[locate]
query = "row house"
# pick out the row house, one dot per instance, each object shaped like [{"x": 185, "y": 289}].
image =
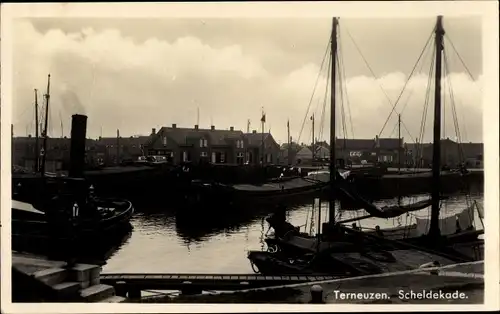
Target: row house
[
  {"x": 452, "y": 153},
  {"x": 57, "y": 156},
  {"x": 262, "y": 148},
  {"x": 211, "y": 145},
  {"x": 382, "y": 150},
  {"x": 112, "y": 150}
]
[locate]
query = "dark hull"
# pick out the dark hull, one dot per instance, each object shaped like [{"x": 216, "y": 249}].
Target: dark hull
[
  {"x": 202, "y": 196},
  {"x": 446, "y": 245},
  {"x": 91, "y": 237},
  {"x": 132, "y": 182},
  {"x": 364, "y": 261},
  {"x": 394, "y": 185}
]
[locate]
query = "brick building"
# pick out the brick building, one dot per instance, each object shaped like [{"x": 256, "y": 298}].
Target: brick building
[{"x": 211, "y": 145}]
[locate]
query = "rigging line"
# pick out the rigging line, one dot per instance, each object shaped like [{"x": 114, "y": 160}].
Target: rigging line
[
  {"x": 412, "y": 90},
  {"x": 341, "y": 90},
  {"x": 420, "y": 147},
  {"x": 454, "y": 110},
  {"x": 404, "y": 87},
  {"x": 314, "y": 89},
  {"x": 23, "y": 113},
  {"x": 459, "y": 57},
  {"x": 390, "y": 103},
  {"x": 342, "y": 111},
  {"x": 328, "y": 78},
  {"x": 341, "y": 56},
  {"x": 454, "y": 113}
]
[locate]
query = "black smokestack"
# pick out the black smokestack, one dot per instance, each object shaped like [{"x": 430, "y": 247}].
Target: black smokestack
[{"x": 77, "y": 152}]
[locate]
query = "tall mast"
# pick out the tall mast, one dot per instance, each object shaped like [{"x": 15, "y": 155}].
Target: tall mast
[
  {"x": 434, "y": 231},
  {"x": 117, "y": 146},
  {"x": 263, "y": 121},
  {"x": 399, "y": 154},
  {"x": 45, "y": 135},
  {"x": 313, "y": 144},
  {"x": 37, "y": 144},
  {"x": 289, "y": 142},
  {"x": 399, "y": 143},
  {"x": 333, "y": 170}
]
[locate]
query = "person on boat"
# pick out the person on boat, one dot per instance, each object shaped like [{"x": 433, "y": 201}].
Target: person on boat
[
  {"x": 354, "y": 227},
  {"x": 278, "y": 222},
  {"x": 378, "y": 231},
  {"x": 457, "y": 224}
]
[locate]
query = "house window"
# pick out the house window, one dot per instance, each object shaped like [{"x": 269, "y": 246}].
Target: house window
[
  {"x": 222, "y": 158},
  {"x": 164, "y": 141},
  {"x": 185, "y": 156},
  {"x": 204, "y": 154},
  {"x": 239, "y": 144},
  {"x": 203, "y": 142},
  {"x": 214, "y": 158},
  {"x": 269, "y": 157},
  {"x": 239, "y": 158}
]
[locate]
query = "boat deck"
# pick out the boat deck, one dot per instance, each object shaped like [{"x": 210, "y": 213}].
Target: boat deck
[{"x": 288, "y": 184}]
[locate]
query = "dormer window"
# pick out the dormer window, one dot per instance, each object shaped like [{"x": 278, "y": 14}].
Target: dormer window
[
  {"x": 203, "y": 142},
  {"x": 164, "y": 141}
]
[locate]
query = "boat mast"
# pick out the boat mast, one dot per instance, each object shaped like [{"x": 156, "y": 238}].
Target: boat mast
[
  {"x": 333, "y": 54},
  {"x": 45, "y": 136},
  {"x": 399, "y": 154},
  {"x": 37, "y": 144},
  {"x": 117, "y": 147},
  {"x": 434, "y": 231},
  {"x": 313, "y": 144},
  {"x": 289, "y": 141}
]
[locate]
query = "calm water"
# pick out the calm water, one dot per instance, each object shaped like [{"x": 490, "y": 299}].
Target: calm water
[{"x": 158, "y": 245}]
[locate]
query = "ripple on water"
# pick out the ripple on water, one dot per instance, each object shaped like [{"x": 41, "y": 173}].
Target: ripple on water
[{"x": 158, "y": 245}]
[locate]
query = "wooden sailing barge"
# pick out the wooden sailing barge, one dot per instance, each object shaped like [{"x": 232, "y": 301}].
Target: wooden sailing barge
[{"x": 344, "y": 251}]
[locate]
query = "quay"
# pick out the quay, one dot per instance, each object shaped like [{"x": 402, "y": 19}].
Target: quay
[
  {"x": 132, "y": 284},
  {"x": 38, "y": 279},
  {"x": 391, "y": 288}
]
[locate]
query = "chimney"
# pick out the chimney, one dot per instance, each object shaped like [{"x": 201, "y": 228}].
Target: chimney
[
  {"x": 153, "y": 132},
  {"x": 174, "y": 125},
  {"x": 231, "y": 128},
  {"x": 196, "y": 127},
  {"x": 254, "y": 132},
  {"x": 212, "y": 127},
  {"x": 77, "y": 146}
]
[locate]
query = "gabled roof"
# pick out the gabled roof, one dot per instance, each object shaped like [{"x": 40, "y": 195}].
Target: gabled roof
[
  {"x": 188, "y": 136},
  {"x": 355, "y": 143},
  {"x": 255, "y": 139},
  {"x": 390, "y": 143}
]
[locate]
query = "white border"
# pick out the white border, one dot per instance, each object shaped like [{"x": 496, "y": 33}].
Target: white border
[{"x": 488, "y": 10}]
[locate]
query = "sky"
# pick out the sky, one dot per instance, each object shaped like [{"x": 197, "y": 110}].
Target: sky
[{"x": 138, "y": 74}]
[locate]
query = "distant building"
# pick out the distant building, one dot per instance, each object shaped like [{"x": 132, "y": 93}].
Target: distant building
[
  {"x": 57, "y": 155},
  {"x": 126, "y": 148},
  {"x": 452, "y": 153},
  {"x": 212, "y": 145},
  {"x": 271, "y": 152}
]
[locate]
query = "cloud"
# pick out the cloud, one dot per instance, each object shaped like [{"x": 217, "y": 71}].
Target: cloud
[{"x": 122, "y": 83}]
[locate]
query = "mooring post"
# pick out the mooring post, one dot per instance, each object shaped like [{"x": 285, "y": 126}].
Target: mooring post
[
  {"x": 189, "y": 289},
  {"x": 316, "y": 294},
  {"x": 121, "y": 288},
  {"x": 134, "y": 293}
]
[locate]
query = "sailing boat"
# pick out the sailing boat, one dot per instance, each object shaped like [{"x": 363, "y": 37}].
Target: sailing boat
[{"x": 342, "y": 250}]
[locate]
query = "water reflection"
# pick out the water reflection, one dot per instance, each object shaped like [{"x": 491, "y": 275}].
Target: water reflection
[{"x": 162, "y": 243}]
